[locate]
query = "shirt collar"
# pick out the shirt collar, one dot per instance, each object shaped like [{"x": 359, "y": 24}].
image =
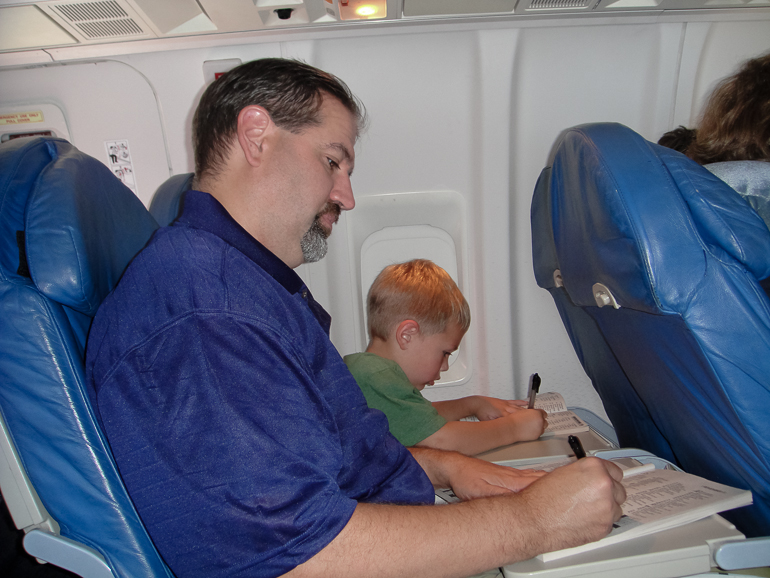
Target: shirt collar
[{"x": 202, "y": 211}]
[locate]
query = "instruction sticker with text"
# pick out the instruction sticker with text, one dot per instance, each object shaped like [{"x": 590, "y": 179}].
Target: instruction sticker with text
[{"x": 119, "y": 158}]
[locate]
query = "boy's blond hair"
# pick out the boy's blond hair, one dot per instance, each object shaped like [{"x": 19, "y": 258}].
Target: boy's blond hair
[{"x": 418, "y": 290}]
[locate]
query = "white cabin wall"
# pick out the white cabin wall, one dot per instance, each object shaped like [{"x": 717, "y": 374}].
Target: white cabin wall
[
  {"x": 177, "y": 76},
  {"x": 421, "y": 94},
  {"x": 101, "y": 101},
  {"x": 471, "y": 108},
  {"x": 567, "y": 77}
]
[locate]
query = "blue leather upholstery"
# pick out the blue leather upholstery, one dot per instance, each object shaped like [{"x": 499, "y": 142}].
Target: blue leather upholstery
[
  {"x": 168, "y": 200},
  {"x": 68, "y": 228},
  {"x": 683, "y": 366}
]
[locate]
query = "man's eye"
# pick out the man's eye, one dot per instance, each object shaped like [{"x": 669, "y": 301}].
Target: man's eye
[{"x": 332, "y": 163}]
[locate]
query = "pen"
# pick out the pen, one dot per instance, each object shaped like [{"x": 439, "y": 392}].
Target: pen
[
  {"x": 577, "y": 447},
  {"x": 628, "y": 472},
  {"x": 534, "y": 387}
]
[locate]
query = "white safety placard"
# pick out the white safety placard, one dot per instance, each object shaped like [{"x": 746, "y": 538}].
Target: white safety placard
[{"x": 119, "y": 160}]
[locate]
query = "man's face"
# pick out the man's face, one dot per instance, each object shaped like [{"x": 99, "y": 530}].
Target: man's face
[{"x": 315, "y": 167}]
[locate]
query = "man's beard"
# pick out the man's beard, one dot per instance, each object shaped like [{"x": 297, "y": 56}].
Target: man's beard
[{"x": 314, "y": 245}]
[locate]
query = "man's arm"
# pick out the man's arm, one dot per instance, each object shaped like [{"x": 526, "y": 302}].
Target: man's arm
[
  {"x": 469, "y": 477},
  {"x": 571, "y": 506}
]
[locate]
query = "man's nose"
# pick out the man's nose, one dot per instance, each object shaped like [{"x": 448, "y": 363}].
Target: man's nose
[{"x": 342, "y": 193}]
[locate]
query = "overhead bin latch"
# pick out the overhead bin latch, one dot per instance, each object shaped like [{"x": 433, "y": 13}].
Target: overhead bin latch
[
  {"x": 604, "y": 296},
  {"x": 557, "y": 280}
]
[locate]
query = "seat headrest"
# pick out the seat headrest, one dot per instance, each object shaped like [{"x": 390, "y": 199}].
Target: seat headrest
[
  {"x": 651, "y": 214},
  {"x": 81, "y": 226},
  {"x": 751, "y": 180},
  {"x": 168, "y": 201},
  {"x": 724, "y": 220}
]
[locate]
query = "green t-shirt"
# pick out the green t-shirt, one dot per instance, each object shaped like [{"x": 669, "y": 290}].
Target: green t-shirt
[{"x": 386, "y": 387}]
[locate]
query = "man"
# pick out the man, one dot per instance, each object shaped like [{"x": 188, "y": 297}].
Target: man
[{"x": 243, "y": 440}]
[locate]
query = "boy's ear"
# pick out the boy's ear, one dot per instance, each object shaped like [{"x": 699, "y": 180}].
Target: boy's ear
[
  {"x": 254, "y": 123},
  {"x": 406, "y": 331}
]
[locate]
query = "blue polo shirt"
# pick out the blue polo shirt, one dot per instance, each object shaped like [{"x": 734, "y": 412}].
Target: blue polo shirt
[{"x": 242, "y": 438}]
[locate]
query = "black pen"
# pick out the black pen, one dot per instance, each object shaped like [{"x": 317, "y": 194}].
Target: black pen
[
  {"x": 577, "y": 447},
  {"x": 534, "y": 387}
]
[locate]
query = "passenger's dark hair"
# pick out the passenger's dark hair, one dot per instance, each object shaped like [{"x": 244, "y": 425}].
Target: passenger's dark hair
[
  {"x": 678, "y": 139},
  {"x": 290, "y": 91},
  {"x": 735, "y": 123}
]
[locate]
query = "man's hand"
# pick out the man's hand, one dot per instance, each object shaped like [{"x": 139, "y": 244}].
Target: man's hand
[
  {"x": 575, "y": 504},
  {"x": 570, "y": 506},
  {"x": 469, "y": 477},
  {"x": 491, "y": 480}
]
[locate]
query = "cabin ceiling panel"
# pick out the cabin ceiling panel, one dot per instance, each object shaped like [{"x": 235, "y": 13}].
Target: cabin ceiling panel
[
  {"x": 25, "y": 27},
  {"x": 98, "y": 21},
  {"x": 119, "y": 21}
]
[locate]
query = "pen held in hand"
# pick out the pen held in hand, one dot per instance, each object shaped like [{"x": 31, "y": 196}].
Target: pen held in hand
[
  {"x": 577, "y": 447},
  {"x": 534, "y": 388},
  {"x": 629, "y": 472}
]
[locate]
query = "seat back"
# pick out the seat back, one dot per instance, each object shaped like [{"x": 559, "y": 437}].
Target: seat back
[
  {"x": 168, "y": 201},
  {"x": 68, "y": 229},
  {"x": 636, "y": 429},
  {"x": 683, "y": 364}
]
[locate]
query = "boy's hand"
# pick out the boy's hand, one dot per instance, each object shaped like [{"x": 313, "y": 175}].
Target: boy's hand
[
  {"x": 486, "y": 408},
  {"x": 528, "y": 424}
]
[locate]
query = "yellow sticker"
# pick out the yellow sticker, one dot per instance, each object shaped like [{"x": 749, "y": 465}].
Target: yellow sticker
[{"x": 21, "y": 117}]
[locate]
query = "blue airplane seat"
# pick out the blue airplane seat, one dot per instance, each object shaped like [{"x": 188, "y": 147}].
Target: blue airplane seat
[
  {"x": 168, "y": 201},
  {"x": 637, "y": 429},
  {"x": 68, "y": 229},
  {"x": 655, "y": 266}
]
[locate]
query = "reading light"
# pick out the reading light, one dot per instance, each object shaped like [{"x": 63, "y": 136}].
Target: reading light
[
  {"x": 366, "y": 10},
  {"x": 363, "y": 9}
]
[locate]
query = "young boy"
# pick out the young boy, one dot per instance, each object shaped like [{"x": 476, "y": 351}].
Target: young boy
[{"x": 417, "y": 317}]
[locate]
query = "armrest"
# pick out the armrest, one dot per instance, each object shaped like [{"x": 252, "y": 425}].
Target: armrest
[
  {"x": 67, "y": 554},
  {"x": 750, "y": 553},
  {"x": 42, "y": 539},
  {"x": 596, "y": 423},
  {"x": 20, "y": 496}
]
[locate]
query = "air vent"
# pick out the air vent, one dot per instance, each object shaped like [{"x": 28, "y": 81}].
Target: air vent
[
  {"x": 99, "y": 19},
  {"x": 95, "y": 21},
  {"x": 558, "y": 4},
  {"x": 91, "y": 11}
]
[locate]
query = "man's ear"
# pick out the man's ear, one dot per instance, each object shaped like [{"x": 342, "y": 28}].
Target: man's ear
[
  {"x": 253, "y": 124},
  {"x": 406, "y": 331}
]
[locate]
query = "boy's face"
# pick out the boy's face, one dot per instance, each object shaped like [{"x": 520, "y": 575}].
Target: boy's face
[{"x": 428, "y": 355}]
